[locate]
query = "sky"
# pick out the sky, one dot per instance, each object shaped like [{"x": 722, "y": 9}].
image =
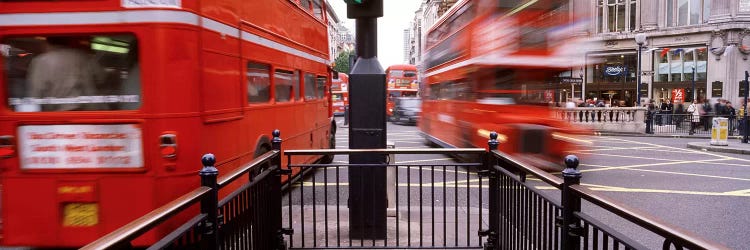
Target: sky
[{"x": 397, "y": 15}]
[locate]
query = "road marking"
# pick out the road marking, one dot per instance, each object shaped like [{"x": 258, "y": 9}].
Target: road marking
[
  {"x": 613, "y": 148},
  {"x": 603, "y": 168},
  {"x": 628, "y": 156}
]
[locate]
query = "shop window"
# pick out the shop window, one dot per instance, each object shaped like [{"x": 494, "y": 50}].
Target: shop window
[
  {"x": 687, "y": 12},
  {"x": 680, "y": 64},
  {"x": 616, "y": 15},
  {"x": 613, "y": 69},
  {"x": 716, "y": 88},
  {"x": 258, "y": 83}
]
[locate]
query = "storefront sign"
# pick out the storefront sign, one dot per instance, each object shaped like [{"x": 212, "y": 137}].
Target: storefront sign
[
  {"x": 571, "y": 80},
  {"x": 615, "y": 70},
  {"x": 678, "y": 95},
  {"x": 80, "y": 146}
]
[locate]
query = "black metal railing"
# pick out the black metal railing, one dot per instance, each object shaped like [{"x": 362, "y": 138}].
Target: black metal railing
[
  {"x": 437, "y": 205},
  {"x": 669, "y": 123},
  {"x": 528, "y": 217},
  {"x": 248, "y": 218},
  {"x": 487, "y": 203}
]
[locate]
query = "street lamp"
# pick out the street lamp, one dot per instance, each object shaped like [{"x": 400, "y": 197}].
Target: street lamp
[
  {"x": 640, "y": 39},
  {"x": 693, "y": 73}
]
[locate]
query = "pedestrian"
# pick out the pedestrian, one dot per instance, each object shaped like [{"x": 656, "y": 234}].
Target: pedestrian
[
  {"x": 694, "y": 111},
  {"x": 679, "y": 113},
  {"x": 705, "y": 114},
  {"x": 65, "y": 71},
  {"x": 732, "y": 115}
]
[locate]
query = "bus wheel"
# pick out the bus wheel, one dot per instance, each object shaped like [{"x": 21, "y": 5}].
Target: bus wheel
[
  {"x": 327, "y": 159},
  {"x": 260, "y": 150}
]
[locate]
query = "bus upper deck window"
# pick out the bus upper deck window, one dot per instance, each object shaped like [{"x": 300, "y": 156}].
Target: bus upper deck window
[{"x": 72, "y": 73}]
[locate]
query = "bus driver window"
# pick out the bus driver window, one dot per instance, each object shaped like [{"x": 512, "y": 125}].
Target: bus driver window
[{"x": 72, "y": 73}]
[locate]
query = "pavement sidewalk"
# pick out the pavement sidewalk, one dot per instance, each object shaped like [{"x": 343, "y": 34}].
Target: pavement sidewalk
[
  {"x": 734, "y": 147},
  {"x": 734, "y": 144}
]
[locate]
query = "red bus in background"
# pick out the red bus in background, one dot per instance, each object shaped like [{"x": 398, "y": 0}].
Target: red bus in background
[
  {"x": 401, "y": 82},
  {"x": 340, "y": 93},
  {"x": 108, "y": 105},
  {"x": 487, "y": 65}
]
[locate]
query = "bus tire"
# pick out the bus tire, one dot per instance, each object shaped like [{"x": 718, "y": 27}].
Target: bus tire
[
  {"x": 264, "y": 146},
  {"x": 327, "y": 159}
]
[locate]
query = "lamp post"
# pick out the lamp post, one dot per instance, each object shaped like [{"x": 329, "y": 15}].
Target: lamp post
[
  {"x": 693, "y": 73},
  {"x": 640, "y": 39}
]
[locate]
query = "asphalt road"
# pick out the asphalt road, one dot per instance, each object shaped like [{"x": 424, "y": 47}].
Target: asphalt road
[{"x": 702, "y": 192}]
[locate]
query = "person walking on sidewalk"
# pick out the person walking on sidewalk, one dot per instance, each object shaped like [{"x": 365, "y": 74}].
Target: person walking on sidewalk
[
  {"x": 693, "y": 109},
  {"x": 732, "y": 115}
]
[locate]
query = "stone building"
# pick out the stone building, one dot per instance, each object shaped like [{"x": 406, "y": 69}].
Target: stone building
[{"x": 702, "y": 41}]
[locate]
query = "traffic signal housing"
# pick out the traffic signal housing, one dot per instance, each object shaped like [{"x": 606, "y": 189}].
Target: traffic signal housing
[{"x": 364, "y": 8}]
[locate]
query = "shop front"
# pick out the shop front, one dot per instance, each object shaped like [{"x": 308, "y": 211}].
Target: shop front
[
  {"x": 611, "y": 77},
  {"x": 681, "y": 70}
]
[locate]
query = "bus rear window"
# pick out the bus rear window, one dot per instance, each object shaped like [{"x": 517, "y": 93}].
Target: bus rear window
[{"x": 72, "y": 73}]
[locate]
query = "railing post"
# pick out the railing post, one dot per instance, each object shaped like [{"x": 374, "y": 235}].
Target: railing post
[
  {"x": 571, "y": 203},
  {"x": 494, "y": 213},
  {"x": 275, "y": 194},
  {"x": 210, "y": 203}
]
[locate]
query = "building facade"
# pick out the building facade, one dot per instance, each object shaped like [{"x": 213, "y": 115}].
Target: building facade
[
  {"x": 696, "y": 48},
  {"x": 407, "y": 45},
  {"x": 340, "y": 39},
  {"x": 425, "y": 16}
]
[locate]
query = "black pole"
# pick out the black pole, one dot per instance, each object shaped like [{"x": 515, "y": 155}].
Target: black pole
[
  {"x": 744, "y": 114},
  {"x": 694, "y": 93},
  {"x": 367, "y": 127},
  {"x": 571, "y": 203},
  {"x": 638, "y": 76},
  {"x": 210, "y": 203},
  {"x": 367, "y": 37}
]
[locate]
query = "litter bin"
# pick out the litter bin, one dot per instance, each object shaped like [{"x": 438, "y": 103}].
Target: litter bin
[{"x": 719, "y": 131}]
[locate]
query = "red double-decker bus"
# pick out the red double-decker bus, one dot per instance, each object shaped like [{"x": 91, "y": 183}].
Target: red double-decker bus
[
  {"x": 109, "y": 105},
  {"x": 340, "y": 93},
  {"x": 401, "y": 82},
  {"x": 487, "y": 65}
]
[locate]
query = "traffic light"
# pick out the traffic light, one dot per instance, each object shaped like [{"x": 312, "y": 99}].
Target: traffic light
[{"x": 364, "y": 8}]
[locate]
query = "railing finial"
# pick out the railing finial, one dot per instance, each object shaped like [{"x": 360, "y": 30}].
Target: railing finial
[
  {"x": 208, "y": 161},
  {"x": 493, "y": 143},
  {"x": 571, "y": 167},
  {"x": 276, "y": 141}
]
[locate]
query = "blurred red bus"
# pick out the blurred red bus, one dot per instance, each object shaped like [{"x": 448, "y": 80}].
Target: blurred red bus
[
  {"x": 110, "y": 104},
  {"x": 340, "y": 93},
  {"x": 487, "y": 65},
  {"x": 401, "y": 81}
]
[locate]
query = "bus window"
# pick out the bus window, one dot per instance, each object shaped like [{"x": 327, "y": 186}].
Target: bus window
[
  {"x": 258, "y": 83},
  {"x": 283, "y": 85},
  {"x": 410, "y": 73},
  {"x": 320, "y": 84},
  {"x": 309, "y": 86},
  {"x": 396, "y": 73},
  {"x": 72, "y": 73},
  {"x": 317, "y": 9}
]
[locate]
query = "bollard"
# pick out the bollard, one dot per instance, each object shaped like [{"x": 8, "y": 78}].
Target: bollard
[
  {"x": 210, "y": 203},
  {"x": 571, "y": 203}
]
